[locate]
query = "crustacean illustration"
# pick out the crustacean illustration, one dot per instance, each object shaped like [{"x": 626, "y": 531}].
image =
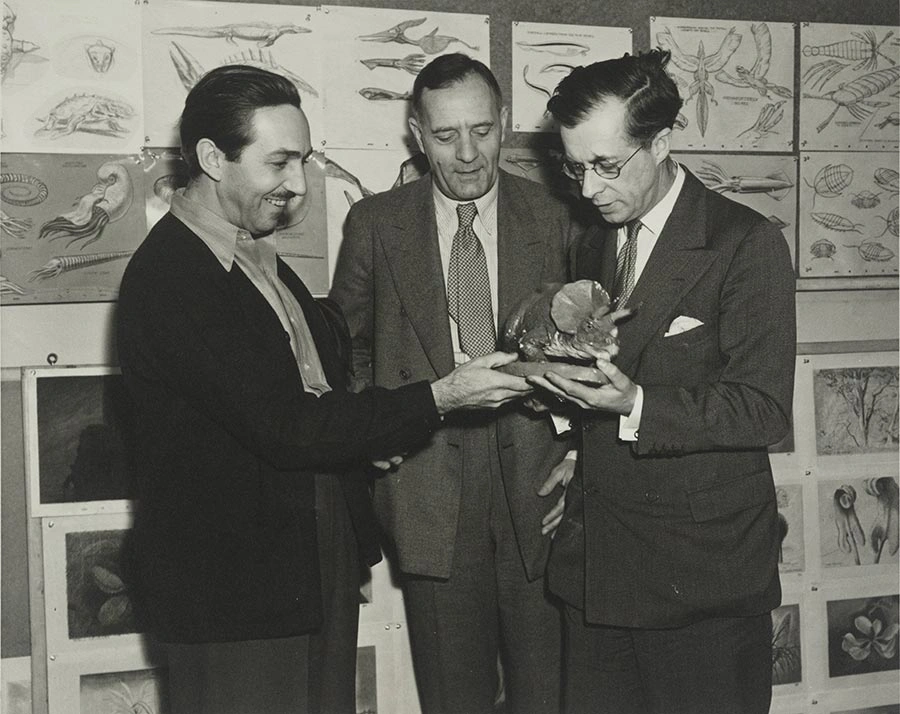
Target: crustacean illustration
[
  {"x": 700, "y": 66},
  {"x": 100, "y": 56},
  {"x": 823, "y": 248},
  {"x": 830, "y": 181},
  {"x": 87, "y": 113},
  {"x": 430, "y": 44},
  {"x": 865, "y": 199},
  {"x": 107, "y": 202},
  {"x": 560, "y": 49},
  {"x": 190, "y": 70},
  {"x": 22, "y": 189},
  {"x": 864, "y": 50},
  {"x": 377, "y": 94},
  {"x": 263, "y": 33},
  {"x": 886, "y": 529},
  {"x": 775, "y": 185},
  {"x": 755, "y": 77},
  {"x": 855, "y": 94},
  {"x": 16, "y": 227},
  {"x": 849, "y": 531},
  {"x": 872, "y": 252},
  {"x": 13, "y": 50},
  {"x": 890, "y": 223},
  {"x": 769, "y": 117},
  {"x": 887, "y": 179},
  {"x": 411, "y": 63},
  {"x": 835, "y": 222},
  {"x": 60, "y": 264}
]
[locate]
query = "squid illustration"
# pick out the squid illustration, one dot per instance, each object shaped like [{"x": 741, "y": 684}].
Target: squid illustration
[
  {"x": 849, "y": 532},
  {"x": 108, "y": 200}
]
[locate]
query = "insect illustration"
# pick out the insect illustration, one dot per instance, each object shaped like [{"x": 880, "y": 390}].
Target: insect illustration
[
  {"x": 854, "y": 95},
  {"x": 430, "y": 44},
  {"x": 890, "y": 223},
  {"x": 263, "y": 33},
  {"x": 870, "y": 251},
  {"x": 700, "y": 66},
  {"x": 769, "y": 117},
  {"x": 88, "y": 113},
  {"x": 823, "y": 248},
  {"x": 775, "y": 185},
  {"x": 834, "y": 222},
  {"x": 831, "y": 181},
  {"x": 560, "y": 49},
  {"x": 60, "y": 264},
  {"x": 22, "y": 189},
  {"x": 755, "y": 77},
  {"x": 190, "y": 70},
  {"x": 411, "y": 63},
  {"x": 108, "y": 201},
  {"x": 865, "y": 50},
  {"x": 377, "y": 94},
  {"x": 865, "y": 199},
  {"x": 15, "y": 227},
  {"x": 888, "y": 179}
]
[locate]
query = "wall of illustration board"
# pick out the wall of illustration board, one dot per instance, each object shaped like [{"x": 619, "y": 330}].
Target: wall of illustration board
[{"x": 808, "y": 136}]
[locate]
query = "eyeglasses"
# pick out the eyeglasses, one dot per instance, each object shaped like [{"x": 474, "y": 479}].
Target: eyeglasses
[{"x": 608, "y": 171}]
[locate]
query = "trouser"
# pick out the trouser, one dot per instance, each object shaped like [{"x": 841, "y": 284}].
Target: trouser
[
  {"x": 715, "y": 666},
  {"x": 487, "y": 607},
  {"x": 307, "y": 674}
]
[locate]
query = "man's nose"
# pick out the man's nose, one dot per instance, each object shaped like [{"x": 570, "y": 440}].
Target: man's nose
[
  {"x": 465, "y": 149},
  {"x": 591, "y": 184},
  {"x": 296, "y": 181}
]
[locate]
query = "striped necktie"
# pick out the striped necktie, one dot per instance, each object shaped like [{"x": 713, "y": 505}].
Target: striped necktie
[
  {"x": 469, "y": 287},
  {"x": 623, "y": 285}
]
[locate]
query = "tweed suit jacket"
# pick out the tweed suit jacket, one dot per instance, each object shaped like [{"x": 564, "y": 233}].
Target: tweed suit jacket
[
  {"x": 681, "y": 524},
  {"x": 227, "y": 445},
  {"x": 389, "y": 282}
]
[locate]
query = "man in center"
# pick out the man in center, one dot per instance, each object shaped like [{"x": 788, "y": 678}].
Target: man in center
[{"x": 426, "y": 274}]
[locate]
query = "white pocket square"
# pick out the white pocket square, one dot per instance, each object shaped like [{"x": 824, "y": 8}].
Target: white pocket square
[{"x": 682, "y": 323}]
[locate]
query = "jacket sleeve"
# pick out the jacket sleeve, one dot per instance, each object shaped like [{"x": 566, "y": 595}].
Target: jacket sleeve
[{"x": 745, "y": 403}]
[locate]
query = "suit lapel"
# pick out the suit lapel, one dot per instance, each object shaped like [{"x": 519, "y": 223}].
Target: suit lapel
[
  {"x": 520, "y": 250},
  {"x": 678, "y": 261},
  {"x": 414, "y": 258}
]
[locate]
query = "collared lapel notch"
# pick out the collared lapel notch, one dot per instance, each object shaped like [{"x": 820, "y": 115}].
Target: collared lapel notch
[
  {"x": 678, "y": 261},
  {"x": 410, "y": 244}
]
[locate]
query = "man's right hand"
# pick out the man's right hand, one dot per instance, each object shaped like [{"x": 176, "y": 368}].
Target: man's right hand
[{"x": 477, "y": 385}]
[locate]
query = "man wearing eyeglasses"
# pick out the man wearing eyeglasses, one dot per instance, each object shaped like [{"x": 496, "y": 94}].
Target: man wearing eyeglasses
[{"x": 667, "y": 554}]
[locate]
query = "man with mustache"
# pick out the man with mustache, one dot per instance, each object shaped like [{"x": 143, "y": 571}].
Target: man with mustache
[
  {"x": 667, "y": 555},
  {"x": 463, "y": 515},
  {"x": 253, "y": 514}
]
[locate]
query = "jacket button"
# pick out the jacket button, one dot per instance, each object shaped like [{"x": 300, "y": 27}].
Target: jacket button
[
  {"x": 587, "y": 425},
  {"x": 404, "y": 374},
  {"x": 651, "y": 496}
]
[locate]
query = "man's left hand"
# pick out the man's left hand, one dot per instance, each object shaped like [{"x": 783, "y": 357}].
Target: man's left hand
[{"x": 618, "y": 396}]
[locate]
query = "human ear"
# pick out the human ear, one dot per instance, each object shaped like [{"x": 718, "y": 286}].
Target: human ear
[
  {"x": 210, "y": 158},
  {"x": 660, "y": 145},
  {"x": 417, "y": 132}
]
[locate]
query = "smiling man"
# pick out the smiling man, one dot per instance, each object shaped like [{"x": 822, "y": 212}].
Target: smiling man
[
  {"x": 253, "y": 513},
  {"x": 426, "y": 274}
]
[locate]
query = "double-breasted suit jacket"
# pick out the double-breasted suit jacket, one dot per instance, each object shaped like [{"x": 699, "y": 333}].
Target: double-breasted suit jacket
[
  {"x": 681, "y": 524},
  {"x": 389, "y": 274}
]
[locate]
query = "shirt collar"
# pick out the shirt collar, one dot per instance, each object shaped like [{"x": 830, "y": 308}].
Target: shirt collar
[
  {"x": 487, "y": 205},
  {"x": 655, "y": 219},
  {"x": 220, "y": 236}
]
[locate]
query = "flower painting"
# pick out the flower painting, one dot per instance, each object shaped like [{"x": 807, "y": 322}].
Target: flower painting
[{"x": 862, "y": 635}]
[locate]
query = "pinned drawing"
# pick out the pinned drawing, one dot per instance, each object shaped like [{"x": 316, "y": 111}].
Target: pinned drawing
[
  {"x": 107, "y": 201},
  {"x": 411, "y": 63},
  {"x": 100, "y": 56},
  {"x": 786, "y": 659},
  {"x": 858, "y": 521},
  {"x": 58, "y": 265},
  {"x": 862, "y": 635},
  {"x": 430, "y": 44},
  {"x": 136, "y": 692},
  {"x": 853, "y": 68},
  {"x": 13, "y": 50},
  {"x": 377, "y": 94},
  {"x": 22, "y": 189},
  {"x": 190, "y": 70},
  {"x": 834, "y": 222},
  {"x": 831, "y": 180},
  {"x": 560, "y": 49},
  {"x": 89, "y": 113},
  {"x": 755, "y": 77},
  {"x": 547, "y": 93},
  {"x": 776, "y": 185},
  {"x": 264, "y": 34},
  {"x": 769, "y": 118},
  {"x": 789, "y": 499}
]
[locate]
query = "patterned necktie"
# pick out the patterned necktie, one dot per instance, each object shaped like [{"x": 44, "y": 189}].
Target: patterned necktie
[
  {"x": 626, "y": 261},
  {"x": 469, "y": 287}
]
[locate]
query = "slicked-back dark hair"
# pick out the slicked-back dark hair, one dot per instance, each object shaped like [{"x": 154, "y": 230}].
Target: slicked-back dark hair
[
  {"x": 220, "y": 108},
  {"x": 447, "y": 70},
  {"x": 640, "y": 81}
]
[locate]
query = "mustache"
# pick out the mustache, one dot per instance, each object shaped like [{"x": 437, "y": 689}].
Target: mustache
[{"x": 281, "y": 196}]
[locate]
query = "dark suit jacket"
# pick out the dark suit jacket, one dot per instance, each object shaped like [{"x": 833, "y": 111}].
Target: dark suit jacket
[
  {"x": 227, "y": 444},
  {"x": 681, "y": 524},
  {"x": 389, "y": 282}
]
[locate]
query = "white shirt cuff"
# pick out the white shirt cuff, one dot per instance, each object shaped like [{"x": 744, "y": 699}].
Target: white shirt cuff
[
  {"x": 628, "y": 425},
  {"x": 561, "y": 423}
]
